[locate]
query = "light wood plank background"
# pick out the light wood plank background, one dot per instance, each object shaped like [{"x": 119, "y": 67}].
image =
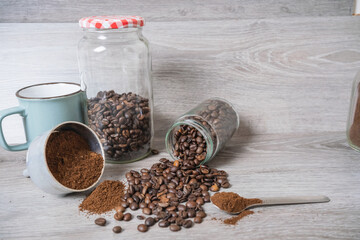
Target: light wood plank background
[
  {"x": 287, "y": 66},
  {"x": 169, "y": 10}
]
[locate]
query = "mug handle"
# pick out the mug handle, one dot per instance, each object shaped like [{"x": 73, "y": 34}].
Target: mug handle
[{"x": 3, "y": 114}]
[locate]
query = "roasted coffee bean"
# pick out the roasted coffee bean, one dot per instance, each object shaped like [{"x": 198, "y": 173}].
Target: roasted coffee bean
[
  {"x": 187, "y": 224},
  {"x": 201, "y": 214},
  {"x": 197, "y": 220},
  {"x": 181, "y": 207},
  {"x": 146, "y": 211},
  {"x": 164, "y": 223},
  {"x": 100, "y": 221},
  {"x": 174, "y": 227},
  {"x": 191, "y": 213},
  {"x": 119, "y": 216},
  {"x": 124, "y": 204},
  {"x": 119, "y": 209},
  {"x": 142, "y": 205},
  {"x": 214, "y": 188},
  {"x": 207, "y": 198},
  {"x": 140, "y": 217},
  {"x": 149, "y": 221},
  {"x": 199, "y": 201},
  {"x": 179, "y": 221},
  {"x": 127, "y": 217},
  {"x": 122, "y": 122},
  {"x": 142, "y": 228},
  {"x": 191, "y": 204},
  {"x": 154, "y": 151},
  {"x": 117, "y": 229},
  {"x": 225, "y": 185},
  {"x": 134, "y": 206}
]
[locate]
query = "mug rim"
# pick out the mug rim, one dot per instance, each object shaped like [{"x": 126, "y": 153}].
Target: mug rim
[{"x": 48, "y": 83}]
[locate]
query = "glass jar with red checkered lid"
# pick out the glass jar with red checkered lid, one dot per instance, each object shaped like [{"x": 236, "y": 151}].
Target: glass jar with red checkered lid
[{"x": 115, "y": 65}]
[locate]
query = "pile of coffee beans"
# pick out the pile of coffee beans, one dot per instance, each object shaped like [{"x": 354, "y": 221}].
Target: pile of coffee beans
[
  {"x": 190, "y": 146},
  {"x": 173, "y": 191},
  {"x": 122, "y": 122}
]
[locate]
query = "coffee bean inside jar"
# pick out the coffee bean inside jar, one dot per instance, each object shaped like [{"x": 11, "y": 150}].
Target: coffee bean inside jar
[
  {"x": 198, "y": 135},
  {"x": 123, "y": 124}
]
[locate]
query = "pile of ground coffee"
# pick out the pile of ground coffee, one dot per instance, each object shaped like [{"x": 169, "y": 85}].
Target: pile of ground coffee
[
  {"x": 232, "y": 202},
  {"x": 71, "y": 161},
  {"x": 104, "y": 198},
  {"x": 234, "y": 220}
]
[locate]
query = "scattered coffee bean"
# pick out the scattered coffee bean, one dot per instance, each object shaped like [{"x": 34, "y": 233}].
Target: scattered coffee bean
[
  {"x": 134, "y": 206},
  {"x": 214, "y": 188},
  {"x": 149, "y": 221},
  {"x": 175, "y": 228},
  {"x": 191, "y": 204},
  {"x": 127, "y": 217},
  {"x": 146, "y": 211},
  {"x": 201, "y": 214},
  {"x": 154, "y": 151},
  {"x": 164, "y": 223},
  {"x": 187, "y": 224},
  {"x": 197, "y": 220},
  {"x": 117, "y": 229},
  {"x": 140, "y": 217},
  {"x": 142, "y": 205},
  {"x": 191, "y": 213},
  {"x": 122, "y": 122},
  {"x": 119, "y": 209},
  {"x": 100, "y": 221},
  {"x": 142, "y": 228},
  {"x": 119, "y": 216}
]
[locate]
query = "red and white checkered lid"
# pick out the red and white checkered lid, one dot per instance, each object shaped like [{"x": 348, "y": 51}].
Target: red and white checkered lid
[{"x": 111, "y": 22}]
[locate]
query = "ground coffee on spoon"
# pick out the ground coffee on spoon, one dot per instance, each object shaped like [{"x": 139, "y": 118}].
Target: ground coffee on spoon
[{"x": 232, "y": 202}]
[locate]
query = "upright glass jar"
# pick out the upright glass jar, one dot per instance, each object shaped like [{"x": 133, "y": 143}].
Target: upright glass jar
[
  {"x": 198, "y": 135},
  {"x": 353, "y": 123},
  {"x": 115, "y": 64}
]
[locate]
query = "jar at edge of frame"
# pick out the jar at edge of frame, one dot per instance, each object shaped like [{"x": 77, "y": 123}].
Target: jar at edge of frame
[{"x": 115, "y": 64}]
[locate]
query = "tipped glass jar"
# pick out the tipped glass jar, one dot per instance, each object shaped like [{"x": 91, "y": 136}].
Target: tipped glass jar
[
  {"x": 115, "y": 63},
  {"x": 198, "y": 135}
]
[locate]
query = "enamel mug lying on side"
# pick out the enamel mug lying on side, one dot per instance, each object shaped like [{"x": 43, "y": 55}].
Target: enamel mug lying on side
[{"x": 37, "y": 168}]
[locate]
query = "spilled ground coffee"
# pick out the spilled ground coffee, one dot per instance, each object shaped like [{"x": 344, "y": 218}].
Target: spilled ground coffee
[{"x": 104, "y": 198}]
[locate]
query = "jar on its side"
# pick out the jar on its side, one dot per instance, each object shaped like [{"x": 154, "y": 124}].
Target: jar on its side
[
  {"x": 115, "y": 64},
  {"x": 198, "y": 135},
  {"x": 353, "y": 123}
]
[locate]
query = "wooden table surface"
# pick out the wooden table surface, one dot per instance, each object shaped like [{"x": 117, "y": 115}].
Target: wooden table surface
[{"x": 287, "y": 66}]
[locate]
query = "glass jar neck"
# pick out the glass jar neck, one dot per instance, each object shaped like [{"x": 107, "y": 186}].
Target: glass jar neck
[
  {"x": 119, "y": 34},
  {"x": 211, "y": 146}
]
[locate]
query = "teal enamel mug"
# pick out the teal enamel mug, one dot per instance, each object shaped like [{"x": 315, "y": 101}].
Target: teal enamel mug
[{"x": 44, "y": 106}]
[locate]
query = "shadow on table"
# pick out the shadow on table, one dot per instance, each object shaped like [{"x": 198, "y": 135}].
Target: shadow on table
[{"x": 233, "y": 149}]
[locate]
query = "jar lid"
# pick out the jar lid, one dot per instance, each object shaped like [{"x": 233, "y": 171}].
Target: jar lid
[{"x": 111, "y": 22}]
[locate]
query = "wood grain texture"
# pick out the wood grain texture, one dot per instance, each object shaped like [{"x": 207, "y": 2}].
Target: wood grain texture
[
  {"x": 289, "y": 76},
  {"x": 169, "y": 10},
  {"x": 258, "y": 166}
]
